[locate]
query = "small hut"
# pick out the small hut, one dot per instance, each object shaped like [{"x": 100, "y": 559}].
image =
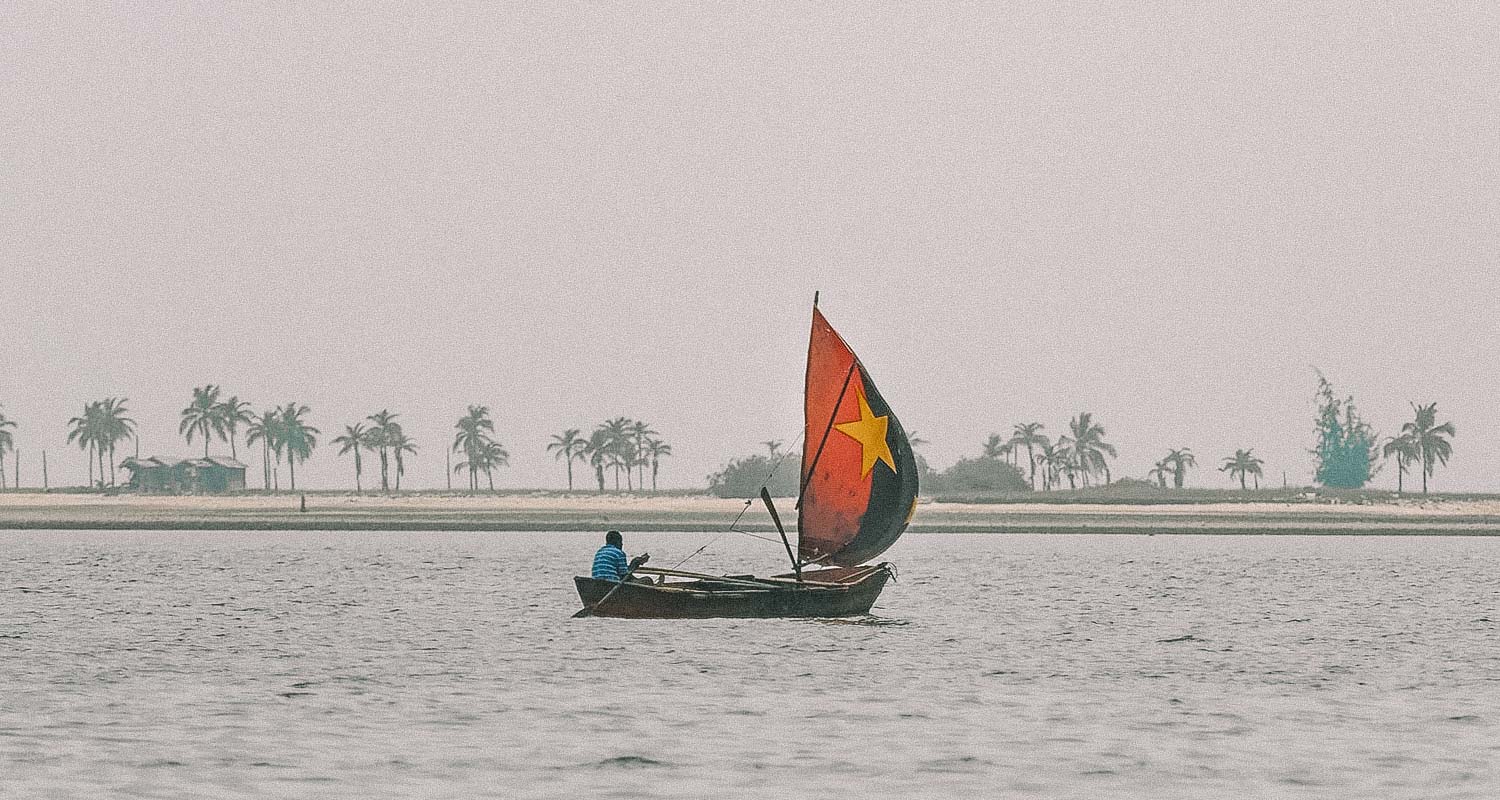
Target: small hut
[{"x": 213, "y": 475}]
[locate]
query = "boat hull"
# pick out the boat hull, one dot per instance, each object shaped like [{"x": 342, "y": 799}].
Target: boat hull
[{"x": 848, "y": 594}]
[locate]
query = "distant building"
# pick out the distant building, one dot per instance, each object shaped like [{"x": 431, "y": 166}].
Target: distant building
[{"x": 213, "y": 475}]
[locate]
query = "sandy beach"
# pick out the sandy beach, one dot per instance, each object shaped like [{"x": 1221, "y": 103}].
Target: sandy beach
[{"x": 542, "y": 511}]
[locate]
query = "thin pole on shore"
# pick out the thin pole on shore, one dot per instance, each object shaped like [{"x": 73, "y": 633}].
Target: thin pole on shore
[
  {"x": 448, "y": 468},
  {"x": 44, "y": 470}
]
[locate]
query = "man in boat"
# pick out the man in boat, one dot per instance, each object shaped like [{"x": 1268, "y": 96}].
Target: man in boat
[{"x": 610, "y": 563}]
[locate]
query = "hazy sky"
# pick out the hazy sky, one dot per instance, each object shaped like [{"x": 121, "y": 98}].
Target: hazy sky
[{"x": 1163, "y": 214}]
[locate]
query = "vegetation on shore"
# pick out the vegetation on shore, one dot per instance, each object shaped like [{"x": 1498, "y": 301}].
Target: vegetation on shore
[{"x": 1347, "y": 451}]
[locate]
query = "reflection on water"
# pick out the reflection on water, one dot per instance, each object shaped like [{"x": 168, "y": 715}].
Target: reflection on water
[{"x": 446, "y": 665}]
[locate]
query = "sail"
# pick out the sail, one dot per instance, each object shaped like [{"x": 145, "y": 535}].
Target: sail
[{"x": 859, "y": 477}]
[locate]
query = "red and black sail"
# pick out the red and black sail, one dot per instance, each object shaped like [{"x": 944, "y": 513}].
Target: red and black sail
[{"x": 859, "y": 477}]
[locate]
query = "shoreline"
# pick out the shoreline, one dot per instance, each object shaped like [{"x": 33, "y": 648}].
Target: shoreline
[{"x": 559, "y": 511}]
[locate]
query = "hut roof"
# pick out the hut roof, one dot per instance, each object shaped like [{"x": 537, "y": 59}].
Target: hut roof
[{"x": 224, "y": 462}]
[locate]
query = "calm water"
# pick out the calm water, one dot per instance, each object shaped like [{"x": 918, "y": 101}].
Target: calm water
[{"x": 445, "y": 665}]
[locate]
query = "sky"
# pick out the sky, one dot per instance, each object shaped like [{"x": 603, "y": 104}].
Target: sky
[{"x": 1165, "y": 214}]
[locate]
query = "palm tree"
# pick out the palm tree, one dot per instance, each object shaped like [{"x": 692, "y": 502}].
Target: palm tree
[
  {"x": 1430, "y": 438},
  {"x": 598, "y": 452},
  {"x": 114, "y": 427},
  {"x": 473, "y": 429},
  {"x": 620, "y": 454},
  {"x": 1243, "y": 463},
  {"x": 1087, "y": 447},
  {"x": 266, "y": 429},
  {"x": 85, "y": 430},
  {"x": 996, "y": 448},
  {"x": 568, "y": 446},
  {"x": 351, "y": 442},
  {"x": 1028, "y": 435},
  {"x": 1406, "y": 450},
  {"x": 773, "y": 446},
  {"x": 7, "y": 443},
  {"x": 203, "y": 416},
  {"x": 1050, "y": 460},
  {"x": 655, "y": 449},
  {"x": 400, "y": 445},
  {"x": 383, "y": 425},
  {"x": 298, "y": 437},
  {"x": 232, "y": 413},
  {"x": 638, "y": 433},
  {"x": 1159, "y": 472},
  {"x": 1179, "y": 460},
  {"x": 484, "y": 458}
]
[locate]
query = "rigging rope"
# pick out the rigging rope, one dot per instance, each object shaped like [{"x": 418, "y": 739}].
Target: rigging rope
[{"x": 732, "y": 529}]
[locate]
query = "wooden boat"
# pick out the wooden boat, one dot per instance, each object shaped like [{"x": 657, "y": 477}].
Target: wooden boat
[{"x": 858, "y": 493}]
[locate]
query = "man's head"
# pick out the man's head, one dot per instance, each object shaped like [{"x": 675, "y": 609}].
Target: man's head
[{"x": 614, "y": 538}]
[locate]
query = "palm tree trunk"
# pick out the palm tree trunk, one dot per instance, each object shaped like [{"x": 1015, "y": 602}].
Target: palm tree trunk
[
  {"x": 489, "y": 474},
  {"x": 357, "y": 488},
  {"x": 1242, "y": 481},
  {"x": 570, "y": 472},
  {"x": 1400, "y": 474},
  {"x": 291, "y": 464},
  {"x": 655, "y": 465}
]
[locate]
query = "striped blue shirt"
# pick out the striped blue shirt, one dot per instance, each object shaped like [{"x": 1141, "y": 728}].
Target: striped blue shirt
[{"x": 610, "y": 563}]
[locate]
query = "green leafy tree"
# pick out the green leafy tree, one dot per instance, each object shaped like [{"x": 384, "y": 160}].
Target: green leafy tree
[
  {"x": 267, "y": 430},
  {"x": 620, "y": 453},
  {"x": 569, "y": 446},
  {"x": 996, "y": 447},
  {"x": 981, "y": 476},
  {"x": 1049, "y": 460},
  {"x": 7, "y": 444},
  {"x": 598, "y": 454},
  {"x": 1430, "y": 439},
  {"x": 1159, "y": 473},
  {"x": 401, "y": 446},
  {"x": 486, "y": 457},
  {"x": 1406, "y": 451},
  {"x": 743, "y": 477},
  {"x": 203, "y": 417},
  {"x": 383, "y": 427},
  {"x": 233, "y": 413},
  {"x": 83, "y": 430},
  {"x": 298, "y": 438},
  {"x": 1086, "y": 448},
  {"x": 656, "y": 449},
  {"x": 1028, "y": 435},
  {"x": 1179, "y": 460},
  {"x": 474, "y": 431},
  {"x": 1347, "y": 448},
  {"x": 638, "y": 433},
  {"x": 1242, "y": 464},
  {"x": 352, "y": 441},
  {"x": 113, "y": 427}
]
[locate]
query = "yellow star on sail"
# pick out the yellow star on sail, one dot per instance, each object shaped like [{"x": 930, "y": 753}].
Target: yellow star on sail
[{"x": 869, "y": 431}]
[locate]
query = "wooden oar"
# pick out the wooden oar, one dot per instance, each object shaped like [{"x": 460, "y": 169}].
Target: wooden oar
[{"x": 589, "y": 612}]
